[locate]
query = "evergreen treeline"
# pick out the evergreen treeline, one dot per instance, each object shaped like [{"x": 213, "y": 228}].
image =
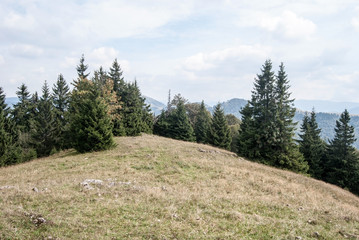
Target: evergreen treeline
[
  {"x": 85, "y": 118},
  {"x": 105, "y": 105}
]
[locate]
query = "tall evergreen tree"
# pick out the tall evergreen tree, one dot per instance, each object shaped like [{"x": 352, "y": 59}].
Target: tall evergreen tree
[
  {"x": 219, "y": 134},
  {"x": 267, "y": 128},
  {"x": 287, "y": 154},
  {"x": 343, "y": 162},
  {"x": 21, "y": 110},
  {"x": 161, "y": 125},
  {"x": 82, "y": 68},
  {"x": 179, "y": 126},
  {"x": 43, "y": 125},
  {"x": 61, "y": 100},
  {"x": 90, "y": 123},
  {"x": 116, "y": 75},
  {"x": 312, "y": 146},
  {"x": 202, "y": 124},
  {"x": 100, "y": 78}
]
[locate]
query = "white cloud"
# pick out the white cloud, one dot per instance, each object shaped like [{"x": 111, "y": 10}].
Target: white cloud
[
  {"x": 287, "y": 23},
  {"x": 26, "y": 50},
  {"x": 355, "y": 20},
  {"x": 202, "y": 61},
  {"x": 104, "y": 56},
  {"x": 17, "y": 21},
  {"x": 2, "y": 61}
]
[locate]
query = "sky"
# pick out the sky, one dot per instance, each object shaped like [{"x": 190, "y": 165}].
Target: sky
[{"x": 207, "y": 50}]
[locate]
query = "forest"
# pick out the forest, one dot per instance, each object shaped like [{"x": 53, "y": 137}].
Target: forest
[{"x": 104, "y": 105}]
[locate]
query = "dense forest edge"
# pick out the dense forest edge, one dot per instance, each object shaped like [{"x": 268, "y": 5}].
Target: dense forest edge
[{"x": 104, "y": 105}]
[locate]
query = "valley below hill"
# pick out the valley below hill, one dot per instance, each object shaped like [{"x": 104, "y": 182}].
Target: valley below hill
[{"x": 151, "y": 187}]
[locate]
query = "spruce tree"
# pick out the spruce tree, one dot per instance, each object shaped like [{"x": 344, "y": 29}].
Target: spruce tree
[
  {"x": 21, "y": 110},
  {"x": 202, "y": 124},
  {"x": 219, "y": 134},
  {"x": 179, "y": 126},
  {"x": 342, "y": 167},
  {"x": 44, "y": 135},
  {"x": 90, "y": 123},
  {"x": 116, "y": 75},
  {"x": 82, "y": 68},
  {"x": 312, "y": 146},
  {"x": 287, "y": 154},
  {"x": 61, "y": 100},
  {"x": 161, "y": 125},
  {"x": 246, "y": 144}
]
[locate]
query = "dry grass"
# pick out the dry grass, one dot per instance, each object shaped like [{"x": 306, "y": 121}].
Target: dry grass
[{"x": 158, "y": 188}]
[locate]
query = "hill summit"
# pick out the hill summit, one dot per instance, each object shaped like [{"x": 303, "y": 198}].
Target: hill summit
[{"x": 150, "y": 187}]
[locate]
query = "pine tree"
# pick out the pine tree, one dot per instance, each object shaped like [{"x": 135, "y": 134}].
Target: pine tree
[
  {"x": 61, "y": 100},
  {"x": 343, "y": 162},
  {"x": 135, "y": 115},
  {"x": 287, "y": 154},
  {"x": 202, "y": 124},
  {"x": 116, "y": 75},
  {"x": 161, "y": 125},
  {"x": 179, "y": 126},
  {"x": 21, "y": 110},
  {"x": 90, "y": 123},
  {"x": 100, "y": 78},
  {"x": 312, "y": 146},
  {"x": 219, "y": 134},
  {"x": 82, "y": 68},
  {"x": 246, "y": 144},
  {"x": 43, "y": 125}
]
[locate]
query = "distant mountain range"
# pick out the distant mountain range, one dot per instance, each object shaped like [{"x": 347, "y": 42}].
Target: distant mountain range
[{"x": 327, "y": 112}]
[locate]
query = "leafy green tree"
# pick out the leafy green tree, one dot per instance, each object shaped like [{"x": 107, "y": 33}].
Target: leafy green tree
[
  {"x": 61, "y": 101},
  {"x": 202, "y": 124},
  {"x": 312, "y": 146},
  {"x": 219, "y": 134},
  {"x": 233, "y": 123},
  {"x": 342, "y": 167},
  {"x": 179, "y": 126},
  {"x": 90, "y": 123},
  {"x": 43, "y": 125},
  {"x": 82, "y": 68}
]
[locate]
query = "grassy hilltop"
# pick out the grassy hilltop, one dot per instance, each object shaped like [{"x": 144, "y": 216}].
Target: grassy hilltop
[{"x": 150, "y": 187}]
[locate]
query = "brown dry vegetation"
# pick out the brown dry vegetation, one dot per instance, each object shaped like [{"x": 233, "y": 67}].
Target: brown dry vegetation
[{"x": 158, "y": 188}]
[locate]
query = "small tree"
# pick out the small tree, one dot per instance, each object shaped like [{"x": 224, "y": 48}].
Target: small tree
[
  {"x": 179, "y": 126},
  {"x": 91, "y": 126},
  {"x": 44, "y": 127},
  {"x": 82, "y": 68},
  {"x": 219, "y": 134},
  {"x": 202, "y": 124},
  {"x": 312, "y": 146},
  {"x": 61, "y": 100},
  {"x": 343, "y": 162}
]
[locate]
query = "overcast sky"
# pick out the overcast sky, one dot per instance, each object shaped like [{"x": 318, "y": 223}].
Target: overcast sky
[{"x": 203, "y": 49}]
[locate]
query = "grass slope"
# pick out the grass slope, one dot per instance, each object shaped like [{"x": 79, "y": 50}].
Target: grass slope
[{"x": 158, "y": 188}]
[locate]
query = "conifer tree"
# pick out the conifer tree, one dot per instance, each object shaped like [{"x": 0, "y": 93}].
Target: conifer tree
[
  {"x": 21, "y": 110},
  {"x": 267, "y": 129},
  {"x": 179, "y": 126},
  {"x": 161, "y": 125},
  {"x": 90, "y": 123},
  {"x": 287, "y": 154},
  {"x": 61, "y": 100},
  {"x": 43, "y": 125},
  {"x": 219, "y": 134},
  {"x": 343, "y": 162},
  {"x": 202, "y": 124},
  {"x": 82, "y": 68},
  {"x": 246, "y": 144},
  {"x": 100, "y": 78},
  {"x": 312, "y": 146},
  {"x": 116, "y": 75}
]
